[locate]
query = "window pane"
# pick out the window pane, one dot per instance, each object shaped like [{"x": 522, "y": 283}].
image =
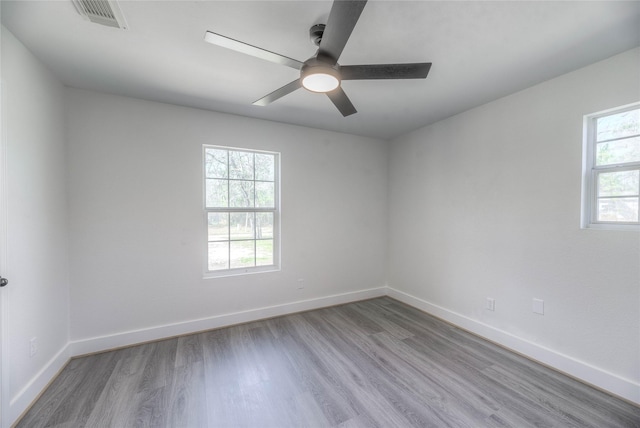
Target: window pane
[
  {"x": 621, "y": 183},
  {"x": 215, "y": 163},
  {"x": 242, "y": 254},
  {"x": 618, "y": 209},
  {"x": 216, "y": 191},
  {"x": 218, "y": 225},
  {"x": 618, "y": 125},
  {"x": 241, "y": 165},
  {"x": 265, "y": 167},
  {"x": 619, "y": 151},
  {"x": 265, "y": 194},
  {"x": 218, "y": 255},
  {"x": 242, "y": 226},
  {"x": 241, "y": 194},
  {"x": 264, "y": 225},
  {"x": 264, "y": 252}
]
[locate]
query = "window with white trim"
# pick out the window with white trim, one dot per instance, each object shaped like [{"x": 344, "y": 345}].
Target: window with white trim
[
  {"x": 611, "y": 187},
  {"x": 241, "y": 203}
]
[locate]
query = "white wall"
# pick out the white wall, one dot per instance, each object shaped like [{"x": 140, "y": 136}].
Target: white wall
[
  {"x": 136, "y": 219},
  {"x": 487, "y": 204},
  {"x": 37, "y": 260}
]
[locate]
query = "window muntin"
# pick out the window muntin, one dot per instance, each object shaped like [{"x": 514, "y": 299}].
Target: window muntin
[
  {"x": 241, "y": 204},
  {"x": 613, "y": 169}
]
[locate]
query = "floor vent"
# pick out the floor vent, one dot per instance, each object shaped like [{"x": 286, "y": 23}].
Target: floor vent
[{"x": 104, "y": 12}]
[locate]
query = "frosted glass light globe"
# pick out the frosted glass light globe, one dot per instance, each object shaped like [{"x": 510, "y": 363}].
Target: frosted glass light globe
[{"x": 320, "y": 82}]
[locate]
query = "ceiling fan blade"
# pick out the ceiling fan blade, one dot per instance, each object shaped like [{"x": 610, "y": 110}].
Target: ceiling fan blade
[
  {"x": 245, "y": 48},
  {"x": 279, "y": 93},
  {"x": 342, "y": 19},
  {"x": 342, "y": 102},
  {"x": 385, "y": 71}
]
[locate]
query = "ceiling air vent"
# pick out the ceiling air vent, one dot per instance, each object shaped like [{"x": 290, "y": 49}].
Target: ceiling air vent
[{"x": 104, "y": 12}]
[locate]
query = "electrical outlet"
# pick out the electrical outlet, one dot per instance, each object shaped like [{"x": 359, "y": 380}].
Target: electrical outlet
[
  {"x": 300, "y": 283},
  {"x": 538, "y": 306},
  {"x": 33, "y": 346},
  {"x": 491, "y": 304}
]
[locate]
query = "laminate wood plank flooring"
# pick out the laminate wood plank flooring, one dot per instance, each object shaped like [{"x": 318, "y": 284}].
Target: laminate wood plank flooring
[{"x": 375, "y": 363}]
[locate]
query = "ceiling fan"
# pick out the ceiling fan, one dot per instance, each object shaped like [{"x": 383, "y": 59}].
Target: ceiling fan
[{"x": 322, "y": 73}]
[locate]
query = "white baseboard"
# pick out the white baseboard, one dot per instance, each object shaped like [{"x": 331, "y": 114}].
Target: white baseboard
[
  {"x": 599, "y": 378},
  {"x": 595, "y": 376},
  {"x": 118, "y": 340},
  {"x": 27, "y": 395}
]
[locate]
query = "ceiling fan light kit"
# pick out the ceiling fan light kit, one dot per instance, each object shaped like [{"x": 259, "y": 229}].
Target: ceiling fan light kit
[
  {"x": 322, "y": 73},
  {"x": 320, "y": 82},
  {"x": 317, "y": 76}
]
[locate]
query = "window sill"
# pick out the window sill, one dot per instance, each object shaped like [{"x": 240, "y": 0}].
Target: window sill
[
  {"x": 610, "y": 226},
  {"x": 240, "y": 272}
]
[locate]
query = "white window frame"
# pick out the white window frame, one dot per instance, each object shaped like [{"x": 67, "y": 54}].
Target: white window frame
[
  {"x": 591, "y": 172},
  {"x": 276, "y": 217}
]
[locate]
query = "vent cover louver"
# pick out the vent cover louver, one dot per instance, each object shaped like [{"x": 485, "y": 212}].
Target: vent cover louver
[{"x": 104, "y": 12}]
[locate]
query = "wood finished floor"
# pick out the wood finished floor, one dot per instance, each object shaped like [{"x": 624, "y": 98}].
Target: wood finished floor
[{"x": 377, "y": 363}]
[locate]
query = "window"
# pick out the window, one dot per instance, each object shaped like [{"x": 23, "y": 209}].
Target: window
[
  {"x": 611, "y": 187},
  {"x": 241, "y": 200}
]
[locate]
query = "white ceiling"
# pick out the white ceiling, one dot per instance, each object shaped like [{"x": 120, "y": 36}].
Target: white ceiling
[{"x": 480, "y": 51}]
